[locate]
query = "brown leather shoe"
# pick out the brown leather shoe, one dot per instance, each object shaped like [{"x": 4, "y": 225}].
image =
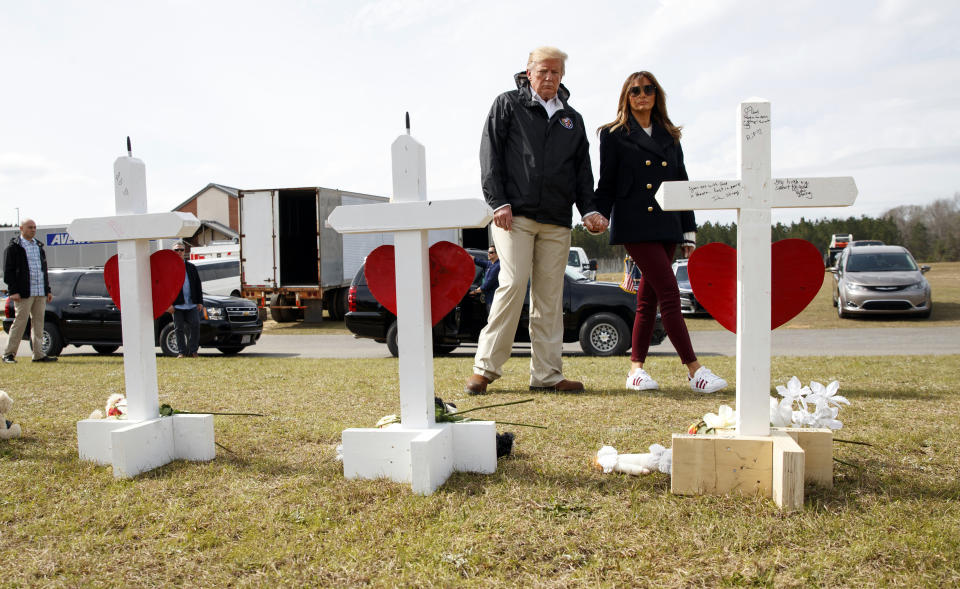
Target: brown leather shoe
[
  {"x": 564, "y": 386},
  {"x": 477, "y": 384}
]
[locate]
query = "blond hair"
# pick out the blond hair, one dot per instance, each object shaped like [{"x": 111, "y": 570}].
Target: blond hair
[{"x": 546, "y": 52}]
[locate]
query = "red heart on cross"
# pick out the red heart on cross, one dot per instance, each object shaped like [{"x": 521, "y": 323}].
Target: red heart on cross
[
  {"x": 166, "y": 277},
  {"x": 796, "y": 277},
  {"x": 451, "y": 274}
]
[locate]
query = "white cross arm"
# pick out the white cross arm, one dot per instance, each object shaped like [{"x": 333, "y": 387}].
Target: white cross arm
[
  {"x": 728, "y": 194},
  {"x": 147, "y": 226},
  {"x": 411, "y": 216},
  {"x": 840, "y": 191},
  {"x": 716, "y": 194}
]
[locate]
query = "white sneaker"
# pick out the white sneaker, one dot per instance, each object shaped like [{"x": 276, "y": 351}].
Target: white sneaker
[
  {"x": 639, "y": 380},
  {"x": 704, "y": 381}
]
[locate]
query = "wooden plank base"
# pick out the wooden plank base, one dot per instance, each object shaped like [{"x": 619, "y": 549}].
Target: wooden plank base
[{"x": 776, "y": 467}]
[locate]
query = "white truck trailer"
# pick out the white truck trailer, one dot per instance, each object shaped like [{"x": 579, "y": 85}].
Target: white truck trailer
[{"x": 292, "y": 261}]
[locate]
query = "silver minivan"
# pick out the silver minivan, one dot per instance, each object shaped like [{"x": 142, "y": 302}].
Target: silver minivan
[{"x": 880, "y": 279}]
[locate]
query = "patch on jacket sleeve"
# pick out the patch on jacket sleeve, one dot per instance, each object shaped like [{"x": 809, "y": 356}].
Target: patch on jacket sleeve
[{"x": 567, "y": 122}]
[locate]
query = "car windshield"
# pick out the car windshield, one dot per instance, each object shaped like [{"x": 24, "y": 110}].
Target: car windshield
[
  {"x": 885, "y": 262},
  {"x": 575, "y": 274},
  {"x": 682, "y": 274}
]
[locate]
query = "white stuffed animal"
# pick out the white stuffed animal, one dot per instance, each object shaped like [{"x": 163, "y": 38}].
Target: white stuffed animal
[
  {"x": 8, "y": 429},
  {"x": 659, "y": 458}
]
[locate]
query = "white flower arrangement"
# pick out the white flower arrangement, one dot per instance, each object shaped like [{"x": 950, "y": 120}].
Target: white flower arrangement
[
  {"x": 799, "y": 406},
  {"x": 812, "y": 406}
]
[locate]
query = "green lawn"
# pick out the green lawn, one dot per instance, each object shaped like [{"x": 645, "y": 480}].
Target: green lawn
[
  {"x": 944, "y": 280},
  {"x": 277, "y": 511}
]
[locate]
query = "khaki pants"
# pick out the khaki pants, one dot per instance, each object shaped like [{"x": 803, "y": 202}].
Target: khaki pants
[
  {"x": 31, "y": 308},
  {"x": 538, "y": 252}
]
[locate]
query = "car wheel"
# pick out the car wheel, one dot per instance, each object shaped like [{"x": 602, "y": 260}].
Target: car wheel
[
  {"x": 604, "y": 334},
  {"x": 51, "y": 344},
  {"x": 392, "y": 344},
  {"x": 168, "y": 340},
  {"x": 834, "y": 298},
  {"x": 106, "y": 349},
  {"x": 230, "y": 350},
  {"x": 840, "y": 312}
]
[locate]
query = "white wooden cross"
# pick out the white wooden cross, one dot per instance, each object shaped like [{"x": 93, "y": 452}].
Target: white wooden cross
[
  {"x": 753, "y": 196},
  {"x": 143, "y": 441},
  {"x": 417, "y": 450}
]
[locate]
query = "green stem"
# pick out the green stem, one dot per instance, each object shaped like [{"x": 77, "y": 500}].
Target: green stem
[
  {"x": 177, "y": 411},
  {"x": 496, "y": 405},
  {"x": 520, "y": 424},
  {"x": 852, "y": 442}
]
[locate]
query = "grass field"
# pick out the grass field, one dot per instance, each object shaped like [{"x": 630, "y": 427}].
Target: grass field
[
  {"x": 944, "y": 280},
  {"x": 277, "y": 511}
]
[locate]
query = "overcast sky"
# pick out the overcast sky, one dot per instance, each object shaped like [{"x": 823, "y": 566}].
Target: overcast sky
[{"x": 312, "y": 93}]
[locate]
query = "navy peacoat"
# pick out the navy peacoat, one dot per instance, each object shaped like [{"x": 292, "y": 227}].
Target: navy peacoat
[{"x": 632, "y": 166}]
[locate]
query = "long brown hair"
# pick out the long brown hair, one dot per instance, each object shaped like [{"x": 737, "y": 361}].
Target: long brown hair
[{"x": 659, "y": 114}]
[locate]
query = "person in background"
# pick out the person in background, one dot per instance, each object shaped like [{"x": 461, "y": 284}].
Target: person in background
[
  {"x": 491, "y": 276},
  {"x": 25, "y": 272},
  {"x": 186, "y": 309},
  {"x": 639, "y": 150}
]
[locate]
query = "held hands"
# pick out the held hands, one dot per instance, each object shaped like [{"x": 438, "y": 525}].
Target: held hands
[{"x": 595, "y": 223}]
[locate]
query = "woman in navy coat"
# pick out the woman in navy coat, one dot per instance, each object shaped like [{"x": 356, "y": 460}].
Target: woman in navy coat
[{"x": 638, "y": 151}]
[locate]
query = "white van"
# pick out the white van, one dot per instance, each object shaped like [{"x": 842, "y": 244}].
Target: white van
[{"x": 219, "y": 276}]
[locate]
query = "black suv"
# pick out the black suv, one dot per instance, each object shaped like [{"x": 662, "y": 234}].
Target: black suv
[
  {"x": 82, "y": 313},
  {"x": 597, "y": 314}
]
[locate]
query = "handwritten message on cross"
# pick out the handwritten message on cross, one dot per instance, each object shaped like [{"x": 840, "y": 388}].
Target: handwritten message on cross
[
  {"x": 753, "y": 196},
  {"x": 409, "y": 216}
]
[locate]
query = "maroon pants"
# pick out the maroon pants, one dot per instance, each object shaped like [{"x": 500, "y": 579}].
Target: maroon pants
[{"x": 658, "y": 284}]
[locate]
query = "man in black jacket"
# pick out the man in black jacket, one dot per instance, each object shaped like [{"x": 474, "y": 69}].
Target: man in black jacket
[
  {"x": 535, "y": 166},
  {"x": 25, "y": 272},
  {"x": 186, "y": 309}
]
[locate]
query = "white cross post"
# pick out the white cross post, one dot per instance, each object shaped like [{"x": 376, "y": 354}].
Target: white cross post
[
  {"x": 753, "y": 197},
  {"x": 144, "y": 440},
  {"x": 417, "y": 450}
]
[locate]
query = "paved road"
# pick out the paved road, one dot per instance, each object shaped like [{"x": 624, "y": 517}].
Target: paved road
[{"x": 786, "y": 342}]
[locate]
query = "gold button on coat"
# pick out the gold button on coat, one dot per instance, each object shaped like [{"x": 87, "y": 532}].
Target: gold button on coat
[
  {"x": 649, "y": 186},
  {"x": 664, "y": 164},
  {"x": 648, "y": 162},
  {"x": 649, "y": 209}
]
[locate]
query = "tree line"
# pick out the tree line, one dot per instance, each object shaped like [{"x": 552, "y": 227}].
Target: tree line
[{"x": 931, "y": 232}]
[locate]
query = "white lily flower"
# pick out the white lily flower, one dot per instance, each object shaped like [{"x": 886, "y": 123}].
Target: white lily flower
[
  {"x": 794, "y": 392},
  {"x": 828, "y": 393},
  {"x": 826, "y": 416},
  {"x": 727, "y": 418},
  {"x": 781, "y": 413}
]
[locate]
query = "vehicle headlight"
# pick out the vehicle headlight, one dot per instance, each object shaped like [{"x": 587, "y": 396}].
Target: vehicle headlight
[
  {"x": 921, "y": 285},
  {"x": 852, "y": 286},
  {"x": 215, "y": 313}
]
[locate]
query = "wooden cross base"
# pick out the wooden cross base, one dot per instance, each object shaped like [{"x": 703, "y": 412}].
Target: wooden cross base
[
  {"x": 776, "y": 466},
  {"x": 133, "y": 447},
  {"x": 422, "y": 457}
]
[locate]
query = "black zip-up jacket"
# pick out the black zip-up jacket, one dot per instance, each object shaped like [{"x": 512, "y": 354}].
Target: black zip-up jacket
[
  {"x": 539, "y": 166},
  {"x": 16, "y": 272}
]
